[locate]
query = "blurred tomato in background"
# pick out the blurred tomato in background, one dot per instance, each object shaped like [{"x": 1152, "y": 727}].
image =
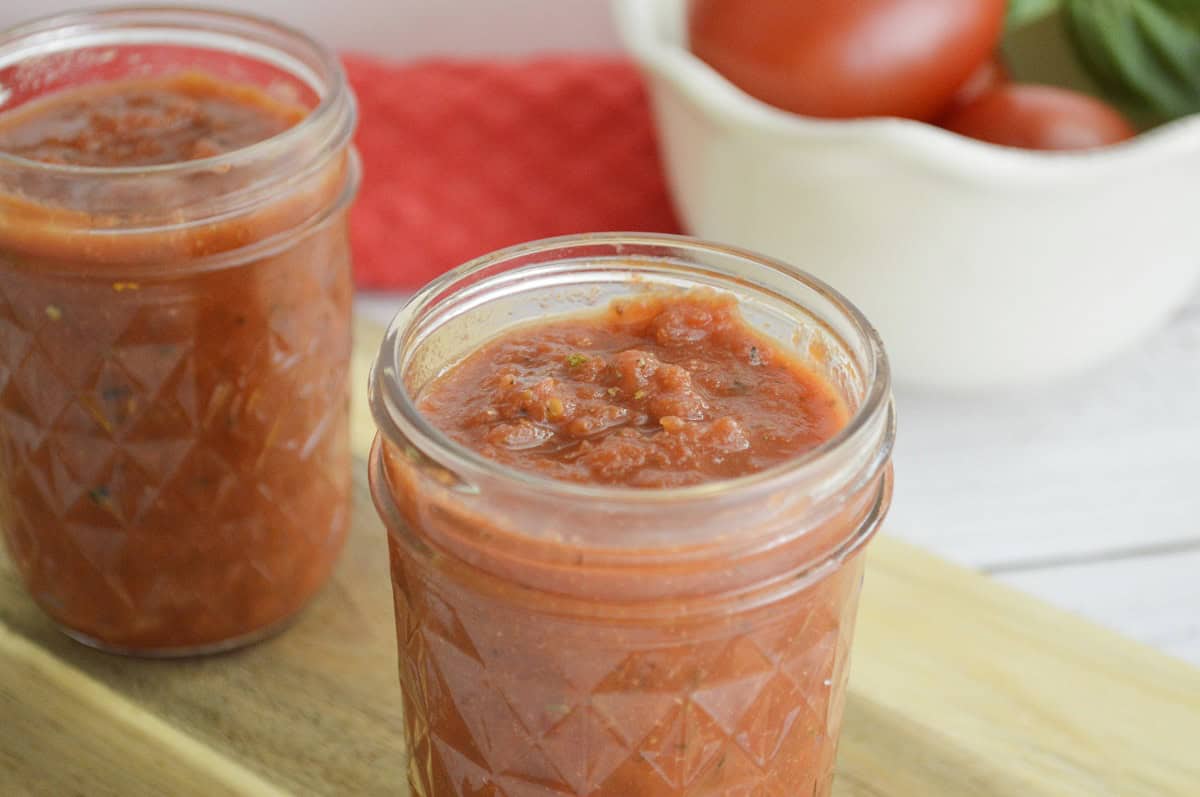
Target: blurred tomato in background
[
  {"x": 936, "y": 61},
  {"x": 987, "y": 76},
  {"x": 1040, "y": 117},
  {"x": 848, "y": 58}
]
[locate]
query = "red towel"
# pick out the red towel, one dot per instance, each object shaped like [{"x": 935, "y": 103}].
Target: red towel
[{"x": 462, "y": 158}]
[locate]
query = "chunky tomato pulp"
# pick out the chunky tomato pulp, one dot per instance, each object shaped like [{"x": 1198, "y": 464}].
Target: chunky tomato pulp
[
  {"x": 656, "y": 392},
  {"x": 174, "y": 465},
  {"x": 533, "y": 665},
  {"x": 145, "y": 122}
]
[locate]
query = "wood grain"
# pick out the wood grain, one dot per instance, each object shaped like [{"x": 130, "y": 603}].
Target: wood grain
[
  {"x": 71, "y": 707},
  {"x": 959, "y": 687}
]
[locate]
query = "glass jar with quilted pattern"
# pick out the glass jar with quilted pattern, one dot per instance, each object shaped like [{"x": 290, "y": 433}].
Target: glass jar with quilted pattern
[
  {"x": 175, "y": 295},
  {"x": 580, "y": 639}
]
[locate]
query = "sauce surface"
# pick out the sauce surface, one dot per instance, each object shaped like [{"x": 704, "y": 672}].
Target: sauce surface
[
  {"x": 147, "y": 122},
  {"x": 174, "y": 462},
  {"x": 657, "y": 391}
]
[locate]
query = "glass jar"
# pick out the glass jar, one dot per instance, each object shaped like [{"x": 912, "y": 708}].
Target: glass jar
[
  {"x": 581, "y": 639},
  {"x": 175, "y": 344}
]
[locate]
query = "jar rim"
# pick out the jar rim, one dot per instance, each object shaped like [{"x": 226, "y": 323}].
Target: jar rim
[
  {"x": 398, "y": 418},
  {"x": 114, "y": 18}
]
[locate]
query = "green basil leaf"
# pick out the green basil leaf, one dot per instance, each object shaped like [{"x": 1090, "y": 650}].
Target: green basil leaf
[
  {"x": 1185, "y": 11},
  {"x": 1177, "y": 46},
  {"x": 1145, "y": 56},
  {"x": 1026, "y": 12}
]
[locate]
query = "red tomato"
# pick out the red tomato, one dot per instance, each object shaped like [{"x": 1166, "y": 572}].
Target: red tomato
[
  {"x": 989, "y": 75},
  {"x": 848, "y": 58},
  {"x": 1040, "y": 117}
]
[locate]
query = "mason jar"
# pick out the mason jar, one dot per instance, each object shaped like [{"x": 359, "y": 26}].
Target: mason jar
[
  {"x": 175, "y": 340},
  {"x": 614, "y": 641}
]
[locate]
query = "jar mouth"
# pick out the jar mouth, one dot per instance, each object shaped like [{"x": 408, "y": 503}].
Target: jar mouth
[
  {"x": 246, "y": 34},
  {"x": 870, "y": 428}
]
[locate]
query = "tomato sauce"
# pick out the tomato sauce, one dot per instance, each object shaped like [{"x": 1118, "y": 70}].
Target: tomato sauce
[
  {"x": 656, "y": 392},
  {"x": 530, "y": 695},
  {"x": 174, "y": 464},
  {"x": 531, "y": 664},
  {"x": 145, "y": 122}
]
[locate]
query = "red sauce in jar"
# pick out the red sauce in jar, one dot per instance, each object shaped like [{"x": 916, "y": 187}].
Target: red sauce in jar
[
  {"x": 145, "y": 122},
  {"x": 174, "y": 465},
  {"x": 656, "y": 392},
  {"x": 536, "y": 663}
]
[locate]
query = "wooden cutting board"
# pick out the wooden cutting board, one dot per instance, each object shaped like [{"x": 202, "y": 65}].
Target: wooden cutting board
[{"x": 960, "y": 687}]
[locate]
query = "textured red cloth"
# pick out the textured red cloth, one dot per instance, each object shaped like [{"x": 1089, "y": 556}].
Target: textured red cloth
[{"x": 462, "y": 158}]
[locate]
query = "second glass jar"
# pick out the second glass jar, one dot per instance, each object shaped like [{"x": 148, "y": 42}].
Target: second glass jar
[
  {"x": 175, "y": 344},
  {"x": 615, "y": 641}
]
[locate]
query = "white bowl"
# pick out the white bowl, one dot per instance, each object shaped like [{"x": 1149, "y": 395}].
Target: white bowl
[{"x": 982, "y": 266}]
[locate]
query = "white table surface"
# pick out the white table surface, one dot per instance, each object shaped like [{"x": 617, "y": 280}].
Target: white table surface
[{"x": 1085, "y": 493}]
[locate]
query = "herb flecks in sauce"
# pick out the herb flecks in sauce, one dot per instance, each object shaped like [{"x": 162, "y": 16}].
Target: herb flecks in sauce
[{"x": 657, "y": 391}]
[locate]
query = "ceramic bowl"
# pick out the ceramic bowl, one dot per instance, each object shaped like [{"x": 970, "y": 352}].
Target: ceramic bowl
[{"x": 982, "y": 266}]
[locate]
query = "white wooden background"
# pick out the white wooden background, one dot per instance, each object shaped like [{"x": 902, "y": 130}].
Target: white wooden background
[
  {"x": 1086, "y": 494},
  {"x": 407, "y": 28}
]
